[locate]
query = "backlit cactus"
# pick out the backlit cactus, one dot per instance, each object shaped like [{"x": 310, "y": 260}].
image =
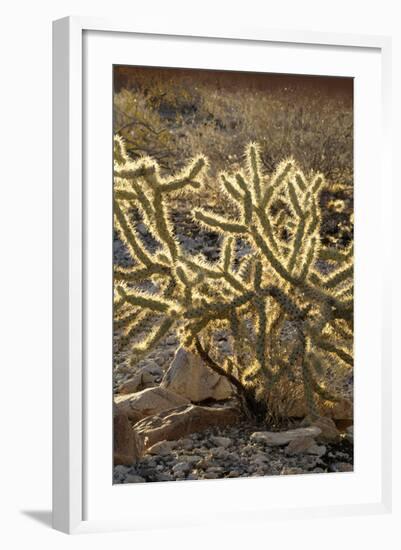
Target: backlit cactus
[{"x": 284, "y": 318}]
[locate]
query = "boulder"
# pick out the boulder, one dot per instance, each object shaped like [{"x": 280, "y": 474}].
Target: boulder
[
  {"x": 148, "y": 402},
  {"x": 179, "y": 422},
  {"x": 343, "y": 409},
  {"x": 148, "y": 376},
  {"x": 276, "y": 439},
  {"x": 329, "y": 432},
  {"x": 127, "y": 445},
  {"x": 190, "y": 377},
  {"x": 340, "y": 410}
]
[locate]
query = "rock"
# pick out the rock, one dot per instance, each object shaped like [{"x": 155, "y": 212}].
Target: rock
[
  {"x": 164, "y": 477},
  {"x": 148, "y": 376},
  {"x": 304, "y": 445},
  {"x": 258, "y": 473},
  {"x": 219, "y": 452},
  {"x": 181, "y": 468},
  {"x": 186, "y": 444},
  {"x": 162, "y": 448},
  {"x": 191, "y": 378},
  {"x": 134, "y": 479},
  {"x": 340, "y": 410},
  {"x": 204, "y": 464},
  {"x": 130, "y": 386},
  {"x": 184, "y": 420},
  {"x": 225, "y": 347},
  {"x": 127, "y": 446},
  {"x": 343, "y": 457},
  {"x": 141, "y": 228},
  {"x": 190, "y": 459},
  {"x": 274, "y": 439},
  {"x": 221, "y": 441},
  {"x": 329, "y": 432},
  {"x": 211, "y": 475},
  {"x": 122, "y": 470},
  {"x": 216, "y": 469},
  {"x": 350, "y": 434},
  {"x": 148, "y": 402},
  {"x": 260, "y": 459},
  {"x": 290, "y": 471},
  {"x": 161, "y": 359}
]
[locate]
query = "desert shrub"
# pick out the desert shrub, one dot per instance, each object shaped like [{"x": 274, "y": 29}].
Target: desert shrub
[
  {"x": 144, "y": 130},
  {"x": 285, "y": 320}
]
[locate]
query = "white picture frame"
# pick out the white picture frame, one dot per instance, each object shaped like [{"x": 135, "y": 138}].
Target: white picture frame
[{"x": 72, "y": 424}]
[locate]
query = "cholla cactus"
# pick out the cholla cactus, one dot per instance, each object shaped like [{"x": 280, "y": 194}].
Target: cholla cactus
[{"x": 284, "y": 318}]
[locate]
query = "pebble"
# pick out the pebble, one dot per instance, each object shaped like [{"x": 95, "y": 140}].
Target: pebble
[
  {"x": 219, "y": 452},
  {"x": 121, "y": 470},
  {"x": 186, "y": 444},
  {"x": 211, "y": 475},
  {"x": 181, "y": 468},
  {"x": 165, "y": 477},
  {"x": 134, "y": 479},
  {"x": 192, "y": 459},
  {"x": 141, "y": 228},
  {"x": 221, "y": 441},
  {"x": 290, "y": 471},
  {"x": 260, "y": 458},
  {"x": 305, "y": 445}
]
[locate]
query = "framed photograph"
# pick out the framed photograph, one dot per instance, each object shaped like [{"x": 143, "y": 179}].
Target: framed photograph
[{"x": 220, "y": 260}]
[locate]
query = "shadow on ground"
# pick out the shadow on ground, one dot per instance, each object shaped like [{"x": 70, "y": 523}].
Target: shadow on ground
[{"x": 41, "y": 516}]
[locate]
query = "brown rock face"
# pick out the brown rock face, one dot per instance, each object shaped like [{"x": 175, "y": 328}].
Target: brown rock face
[
  {"x": 127, "y": 445},
  {"x": 190, "y": 377},
  {"x": 148, "y": 402},
  {"x": 182, "y": 421}
]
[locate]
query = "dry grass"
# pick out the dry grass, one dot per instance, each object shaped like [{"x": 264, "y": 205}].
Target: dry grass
[{"x": 172, "y": 116}]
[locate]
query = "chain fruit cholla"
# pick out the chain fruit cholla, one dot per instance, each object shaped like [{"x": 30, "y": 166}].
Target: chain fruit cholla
[{"x": 283, "y": 317}]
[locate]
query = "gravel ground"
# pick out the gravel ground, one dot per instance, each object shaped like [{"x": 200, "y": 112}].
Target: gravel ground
[{"x": 230, "y": 453}]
